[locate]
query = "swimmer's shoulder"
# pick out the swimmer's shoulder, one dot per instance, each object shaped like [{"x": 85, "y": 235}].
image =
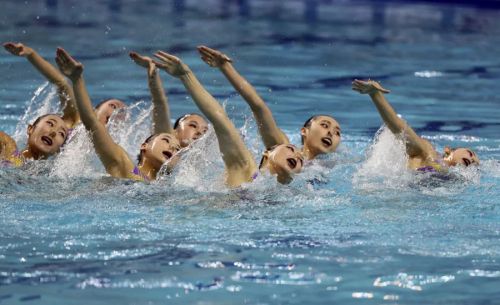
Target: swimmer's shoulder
[{"x": 8, "y": 146}]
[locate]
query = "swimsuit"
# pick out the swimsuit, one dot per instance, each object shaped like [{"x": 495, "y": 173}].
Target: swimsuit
[
  {"x": 434, "y": 167},
  {"x": 16, "y": 160},
  {"x": 137, "y": 175}
]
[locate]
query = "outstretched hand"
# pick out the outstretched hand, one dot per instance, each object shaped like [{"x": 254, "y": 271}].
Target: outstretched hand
[
  {"x": 17, "y": 49},
  {"x": 213, "y": 57},
  {"x": 368, "y": 87},
  {"x": 144, "y": 61},
  {"x": 171, "y": 64},
  {"x": 68, "y": 65}
]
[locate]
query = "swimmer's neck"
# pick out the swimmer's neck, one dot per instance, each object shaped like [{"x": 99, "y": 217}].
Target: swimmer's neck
[
  {"x": 148, "y": 170},
  {"x": 309, "y": 153},
  {"x": 29, "y": 154}
]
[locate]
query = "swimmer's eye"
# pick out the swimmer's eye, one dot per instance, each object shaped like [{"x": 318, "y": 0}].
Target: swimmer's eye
[
  {"x": 50, "y": 123},
  {"x": 193, "y": 125},
  {"x": 466, "y": 161},
  {"x": 324, "y": 125},
  {"x": 113, "y": 106},
  {"x": 63, "y": 135},
  {"x": 337, "y": 133}
]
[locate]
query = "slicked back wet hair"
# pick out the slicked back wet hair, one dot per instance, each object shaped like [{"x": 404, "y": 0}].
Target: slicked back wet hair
[
  {"x": 181, "y": 118},
  {"x": 38, "y": 119},
  {"x": 103, "y": 102},
  {"x": 149, "y": 139}
]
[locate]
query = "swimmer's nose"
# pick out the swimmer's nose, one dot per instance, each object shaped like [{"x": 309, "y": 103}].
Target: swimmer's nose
[
  {"x": 330, "y": 134},
  {"x": 53, "y": 134}
]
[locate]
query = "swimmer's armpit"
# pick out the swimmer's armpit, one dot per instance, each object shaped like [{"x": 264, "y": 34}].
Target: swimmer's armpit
[
  {"x": 161, "y": 111},
  {"x": 65, "y": 92},
  {"x": 270, "y": 133}
]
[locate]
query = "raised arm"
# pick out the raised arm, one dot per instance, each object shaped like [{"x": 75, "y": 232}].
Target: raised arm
[
  {"x": 161, "y": 111},
  {"x": 415, "y": 145},
  {"x": 239, "y": 161},
  {"x": 64, "y": 90},
  {"x": 269, "y": 131},
  {"x": 114, "y": 158}
]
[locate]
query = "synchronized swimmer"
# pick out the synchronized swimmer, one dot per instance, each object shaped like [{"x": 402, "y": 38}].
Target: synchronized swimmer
[{"x": 320, "y": 134}]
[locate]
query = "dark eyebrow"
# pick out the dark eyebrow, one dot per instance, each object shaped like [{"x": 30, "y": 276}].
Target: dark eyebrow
[
  {"x": 291, "y": 148},
  {"x": 470, "y": 153}
]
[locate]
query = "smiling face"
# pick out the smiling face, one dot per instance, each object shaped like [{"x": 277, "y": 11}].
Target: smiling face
[
  {"x": 461, "y": 156},
  {"x": 190, "y": 128},
  {"x": 321, "y": 135},
  {"x": 159, "y": 149},
  {"x": 283, "y": 160},
  {"x": 105, "y": 110},
  {"x": 46, "y": 136}
]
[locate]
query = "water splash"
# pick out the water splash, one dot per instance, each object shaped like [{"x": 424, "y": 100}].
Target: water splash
[
  {"x": 44, "y": 101},
  {"x": 386, "y": 164}
]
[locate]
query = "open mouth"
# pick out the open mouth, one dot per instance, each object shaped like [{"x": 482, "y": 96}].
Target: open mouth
[
  {"x": 326, "y": 141},
  {"x": 47, "y": 141},
  {"x": 167, "y": 154},
  {"x": 291, "y": 162}
]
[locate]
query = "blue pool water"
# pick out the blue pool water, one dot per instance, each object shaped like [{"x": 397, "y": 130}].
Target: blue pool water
[{"x": 366, "y": 231}]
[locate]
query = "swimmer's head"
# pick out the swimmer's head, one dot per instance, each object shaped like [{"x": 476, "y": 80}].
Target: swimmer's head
[
  {"x": 320, "y": 135},
  {"x": 189, "y": 128},
  {"x": 460, "y": 156},
  {"x": 158, "y": 149},
  {"x": 46, "y": 135},
  {"x": 104, "y": 110},
  {"x": 283, "y": 160}
]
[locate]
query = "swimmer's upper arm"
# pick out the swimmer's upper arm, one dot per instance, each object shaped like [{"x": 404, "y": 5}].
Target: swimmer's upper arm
[
  {"x": 113, "y": 157},
  {"x": 234, "y": 151},
  {"x": 161, "y": 111},
  {"x": 268, "y": 128},
  {"x": 7, "y": 146}
]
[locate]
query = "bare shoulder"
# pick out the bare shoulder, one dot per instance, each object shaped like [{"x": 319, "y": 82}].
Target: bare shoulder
[{"x": 7, "y": 145}]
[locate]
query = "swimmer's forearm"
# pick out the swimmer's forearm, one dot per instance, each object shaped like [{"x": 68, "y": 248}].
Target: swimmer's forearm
[
  {"x": 268, "y": 128},
  {"x": 84, "y": 105},
  {"x": 414, "y": 144},
  {"x": 161, "y": 111},
  {"x": 389, "y": 116},
  {"x": 244, "y": 88},
  {"x": 207, "y": 104},
  {"x": 54, "y": 76}
]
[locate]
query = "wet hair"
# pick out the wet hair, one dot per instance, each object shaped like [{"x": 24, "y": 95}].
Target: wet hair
[
  {"x": 149, "y": 139},
  {"x": 104, "y": 101},
  {"x": 181, "y": 118},
  {"x": 41, "y": 117},
  {"x": 309, "y": 121}
]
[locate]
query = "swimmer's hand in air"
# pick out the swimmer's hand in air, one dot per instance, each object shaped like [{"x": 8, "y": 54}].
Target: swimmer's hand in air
[
  {"x": 368, "y": 87},
  {"x": 171, "y": 64},
  {"x": 18, "y": 49},
  {"x": 213, "y": 57},
  {"x": 144, "y": 61},
  {"x": 68, "y": 65}
]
